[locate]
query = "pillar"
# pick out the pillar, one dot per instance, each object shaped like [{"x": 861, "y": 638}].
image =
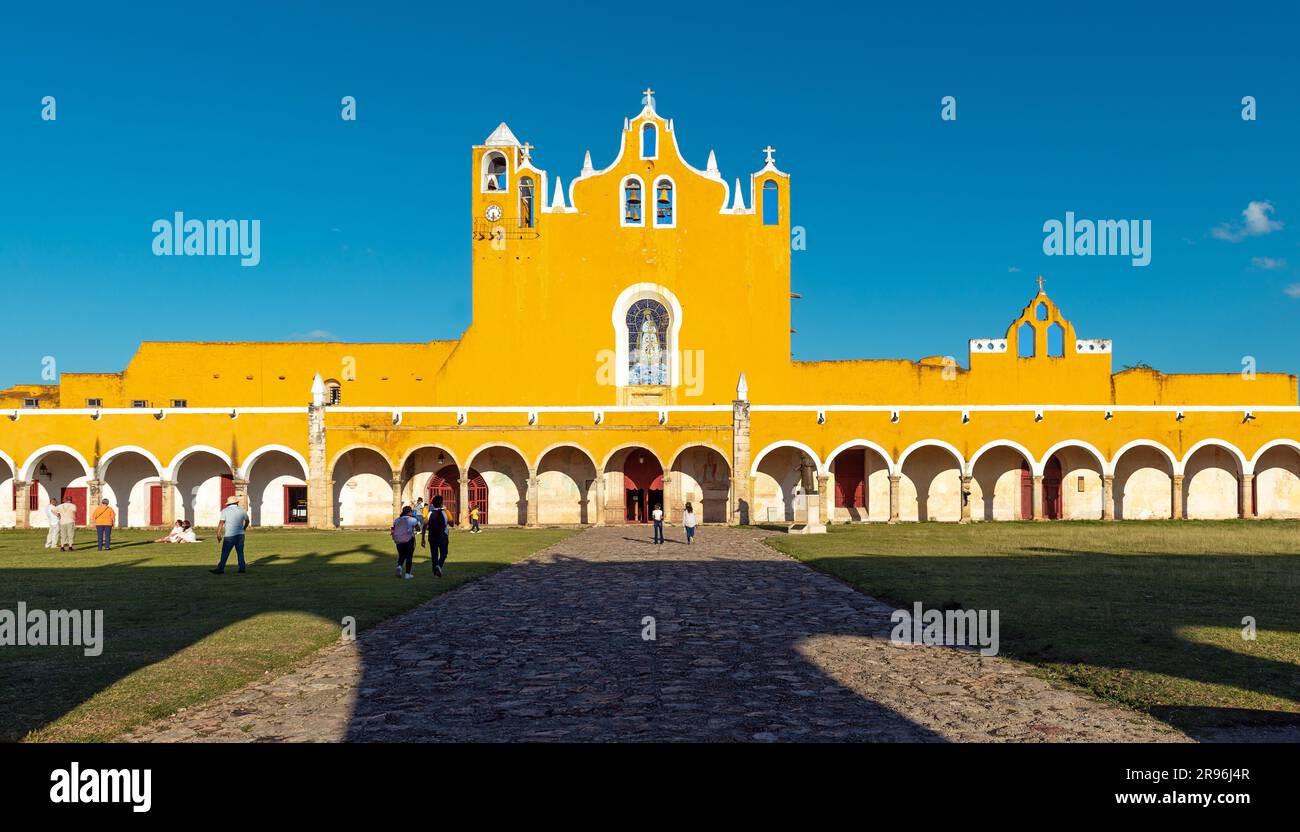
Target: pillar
[
  {"x": 894, "y": 480},
  {"x": 94, "y": 493},
  {"x": 462, "y": 497},
  {"x": 1107, "y": 496},
  {"x": 534, "y": 497},
  {"x": 397, "y": 495},
  {"x": 320, "y": 488},
  {"x": 672, "y": 497},
  {"x": 1038, "y": 497},
  {"x": 965, "y": 498},
  {"x": 1176, "y": 487},
  {"x": 742, "y": 485},
  {"x": 22, "y": 504},
  {"x": 599, "y": 518},
  {"x": 827, "y": 498},
  {"x": 1248, "y": 497},
  {"x": 241, "y": 493},
  {"x": 167, "y": 490}
]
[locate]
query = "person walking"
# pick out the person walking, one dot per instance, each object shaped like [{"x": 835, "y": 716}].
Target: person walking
[
  {"x": 437, "y": 531},
  {"x": 688, "y": 523},
  {"x": 403, "y": 533},
  {"x": 67, "y": 524},
  {"x": 658, "y": 516},
  {"x": 103, "y": 520},
  {"x": 230, "y": 531},
  {"x": 473, "y": 520},
  {"x": 51, "y": 517}
]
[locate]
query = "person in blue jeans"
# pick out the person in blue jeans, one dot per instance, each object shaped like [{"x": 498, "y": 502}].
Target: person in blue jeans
[
  {"x": 437, "y": 530},
  {"x": 230, "y": 531},
  {"x": 403, "y": 533},
  {"x": 658, "y": 516}
]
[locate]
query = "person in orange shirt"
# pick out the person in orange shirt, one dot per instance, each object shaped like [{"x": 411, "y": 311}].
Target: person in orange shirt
[{"x": 104, "y": 520}]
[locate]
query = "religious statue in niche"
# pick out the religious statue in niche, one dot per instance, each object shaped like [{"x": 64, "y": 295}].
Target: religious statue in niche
[{"x": 647, "y": 329}]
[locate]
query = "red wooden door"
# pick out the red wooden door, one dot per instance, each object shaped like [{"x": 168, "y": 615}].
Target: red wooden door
[
  {"x": 1052, "y": 489},
  {"x": 227, "y": 490},
  {"x": 849, "y": 476},
  {"x": 642, "y": 476},
  {"x": 1026, "y": 492},
  {"x": 78, "y": 497},
  {"x": 155, "y": 505}
]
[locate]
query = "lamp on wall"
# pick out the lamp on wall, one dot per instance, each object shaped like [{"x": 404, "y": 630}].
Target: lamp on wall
[
  {"x": 441, "y": 458},
  {"x": 44, "y": 471}
]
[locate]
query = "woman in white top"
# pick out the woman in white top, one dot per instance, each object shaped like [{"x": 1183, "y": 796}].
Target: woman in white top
[
  {"x": 688, "y": 523},
  {"x": 171, "y": 536}
]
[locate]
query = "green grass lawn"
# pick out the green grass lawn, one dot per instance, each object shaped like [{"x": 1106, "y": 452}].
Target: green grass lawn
[
  {"x": 176, "y": 636},
  {"x": 1148, "y": 614}
]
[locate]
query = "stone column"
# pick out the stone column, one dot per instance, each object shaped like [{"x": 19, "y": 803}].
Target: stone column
[
  {"x": 94, "y": 493},
  {"x": 1107, "y": 496},
  {"x": 462, "y": 496},
  {"x": 241, "y": 493},
  {"x": 965, "y": 498},
  {"x": 320, "y": 488},
  {"x": 894, "y": 480},
  {"x": 1176, "y": 495},
  {"x": 534, "y": 497},
  {"x": 827, "y": 498},
  {"x": 596, "y": 511},
  {"x": 22, "y": 504},
  {"x": 672, "y": 497},
  {"x": 167, "y": 491},
  {"x": 1038, "y": 497},
  {"x": 1248, "y": 497},
  {"x": 742, "y": 485},
  {"x": 397, "y": 495}
]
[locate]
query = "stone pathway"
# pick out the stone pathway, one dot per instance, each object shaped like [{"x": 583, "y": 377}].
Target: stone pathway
[{"x": 750, "y": 646}]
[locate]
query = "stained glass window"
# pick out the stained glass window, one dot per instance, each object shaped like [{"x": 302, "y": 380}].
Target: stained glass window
[{"x": 647, "y": 337}]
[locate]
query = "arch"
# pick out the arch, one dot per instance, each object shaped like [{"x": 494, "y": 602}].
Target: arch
[
  {"x": 412, "y": 451},
  {"x": 1102, "y": 464},
  {"x": 566, "y": 484},
  {"x": 507, "y": 488},
  {"x": 1268, "y": 446},
  {"x": 8, "y": 460},
  {"x": 853, "y": 443},
  {"x": 35, "y": 457},
  {"x": 108, "y": 457},
  {"x": 181, "y": 456},
  {"x": 333, "y": 391},
  {"x": 1086, "y": 500},
  {"x": 334, "y": 461},
  {"x": 247, "y": 468},
  {"x": 8, "y": 503},
  {"x": 631, "y": 202},
  {"x": 1244, "y": 465},
  {"x": 701, "y": 444},
  {"x": 470, "y": 459},
  {"x": 364, "y": 497},
  {"x": 132, "y": 488},
  {"x": 664, "y": 195},
  {"x": 786, "y": 443},
  {"x": 624, "y": 301},
  {"x": 496, "y": 173},
  {"x": 1148, "y": 443},
  {"x": 1025, "y": 340},
  {"x": 527, "y": 202},
  {"x": 609, "y": 457},
  {"x": 701, "y": 475},
  {"x": 771, "y": 207},
  {"x": 590, "y": 457},
  {"x": 932, "y": 443},
  {"x": 1035, "y": 465},
  {"x": 649, "y": 140}
]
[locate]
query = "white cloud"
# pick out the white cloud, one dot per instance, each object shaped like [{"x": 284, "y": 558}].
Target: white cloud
[
  {"x": 1268, "y": 263},
  {"x": 1257, "y": 223},
  {"x": 1293, "y": 290},
  {"x": 1014, "y": 270}
]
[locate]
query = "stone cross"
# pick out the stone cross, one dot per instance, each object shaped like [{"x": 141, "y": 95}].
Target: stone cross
[{"x": 769, "y": 150}]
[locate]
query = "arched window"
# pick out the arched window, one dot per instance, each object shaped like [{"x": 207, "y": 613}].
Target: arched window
[
  {"x": 665, "y": 204},
  {"x": 494, "y": 172},
  {"x": 1041, "y": 312},
  {"x": 1025, "y": 340},
  {"x": 526, "y": 202},
  {"x": 632, "y": 209},
  {"x": 649, "y": 141},
  {"x": 1055, "y": 341},
  {"x": 648, "y": 324},
  {"x": 333, "y": 392},
  {"x": 771, "y": 203}
]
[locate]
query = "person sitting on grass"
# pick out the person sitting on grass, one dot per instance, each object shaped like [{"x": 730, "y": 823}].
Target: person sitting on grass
[{"x": 171, "y": 537}]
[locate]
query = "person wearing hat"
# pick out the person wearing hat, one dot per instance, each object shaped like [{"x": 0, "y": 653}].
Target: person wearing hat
[{"x": 230, "y": 531}]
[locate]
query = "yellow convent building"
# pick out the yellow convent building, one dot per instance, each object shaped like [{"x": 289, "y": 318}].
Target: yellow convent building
[{"x": 656, "y": 381}]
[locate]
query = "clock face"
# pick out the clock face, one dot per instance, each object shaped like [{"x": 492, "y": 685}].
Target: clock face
[{"x": 493, "y": 212}]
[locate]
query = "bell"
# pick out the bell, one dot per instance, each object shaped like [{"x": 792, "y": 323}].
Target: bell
[{"x": 665, "y": 194}]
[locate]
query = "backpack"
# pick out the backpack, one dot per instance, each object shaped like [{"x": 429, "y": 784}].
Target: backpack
[
  {"x": 403, "y": 531},
  {"x": 437, "y": 522}
]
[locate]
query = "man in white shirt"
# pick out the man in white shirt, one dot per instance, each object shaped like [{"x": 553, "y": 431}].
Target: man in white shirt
[
  {"x": 67, "y": 524},
  {"x": 52, "y": 517},
  {"x": 658, "y": 517},
  {"x": 230, "y": 531}
]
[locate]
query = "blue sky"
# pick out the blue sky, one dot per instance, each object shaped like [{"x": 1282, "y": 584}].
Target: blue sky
[{"x": 921, "y": 233}]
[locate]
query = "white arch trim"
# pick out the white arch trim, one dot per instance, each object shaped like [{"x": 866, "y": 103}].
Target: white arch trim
[
  {"x": 1035, "y": 466},
  {"x": 1075, "y": 443},
  {"x": 630, "y": 295},
  {"x": 169, "y": 473},
  {"x": 556, "y": 446},
  {"x": 1174, "y": 464},
  {"x": 523, "y": 457},
  {"x": 35, "y": 457},
  {"x": 853, "y": 443},
  {"x": 413, "y": 451},
  {"x": 785, "y": 443},
  {"x": 247, "y": 467},
  {"x": 1268, "y": 446},
  {"x": 625, "y": 446},
  {"x": 129, "y": 449},
  {"x": 932, "y": 443},
  {"x": 689, "y": 445},
  {"x": 1244, "y": 465},
  {"x": 8, "y": 460}
]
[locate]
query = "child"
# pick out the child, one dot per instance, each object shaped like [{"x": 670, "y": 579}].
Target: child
[{"x": 403, "y": 533}]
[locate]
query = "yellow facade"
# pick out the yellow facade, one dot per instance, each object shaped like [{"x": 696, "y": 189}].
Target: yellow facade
[{"x": 570, "y": 404}]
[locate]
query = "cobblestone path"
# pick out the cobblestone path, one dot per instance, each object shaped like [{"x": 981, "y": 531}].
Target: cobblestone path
[{"x": 749, "y": 646}]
